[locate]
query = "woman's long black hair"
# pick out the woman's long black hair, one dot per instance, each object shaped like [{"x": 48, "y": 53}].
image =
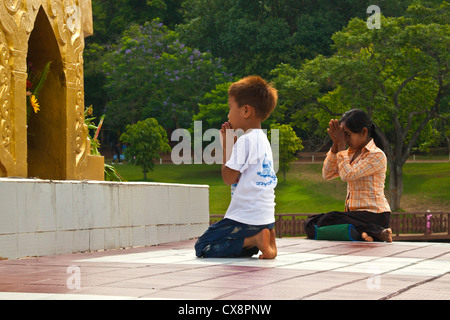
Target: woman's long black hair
[{"x": 356, "y": 120}]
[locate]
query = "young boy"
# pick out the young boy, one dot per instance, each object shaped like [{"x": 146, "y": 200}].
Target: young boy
[{"x": 248, "y": 225}]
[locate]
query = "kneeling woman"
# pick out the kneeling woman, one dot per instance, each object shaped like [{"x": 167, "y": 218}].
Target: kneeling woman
[{"x": 363, "y": 166}]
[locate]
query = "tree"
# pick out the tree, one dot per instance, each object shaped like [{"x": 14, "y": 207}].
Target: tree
[
  {"x": 152, "y": 74},
  {"x": 399, "y": 74},
  {"x": 255, "y": 36},
  {"x": 144, "y": 141},
  {"x": 288, "y": 146},
  {"x": 213, "y": 109},
  {"x": 111, "y": 17},
  {"x": 299, "y": 90}
]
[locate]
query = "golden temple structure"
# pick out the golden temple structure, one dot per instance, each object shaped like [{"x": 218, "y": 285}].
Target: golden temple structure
[{"x": 52, "y": 143}]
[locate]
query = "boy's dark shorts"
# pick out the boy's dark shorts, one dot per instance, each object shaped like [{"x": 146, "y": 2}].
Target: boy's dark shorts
[{"x": 225, "y": 239}]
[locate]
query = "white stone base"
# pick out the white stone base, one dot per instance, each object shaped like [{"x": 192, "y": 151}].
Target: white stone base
[{"x": 44, "y": 217}]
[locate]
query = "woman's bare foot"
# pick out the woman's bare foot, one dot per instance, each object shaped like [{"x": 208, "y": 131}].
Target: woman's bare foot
[
  {"x": 386, "y": 235},
  {"x": 263, "y": 243},
  {"x": 366, "y": 237}
]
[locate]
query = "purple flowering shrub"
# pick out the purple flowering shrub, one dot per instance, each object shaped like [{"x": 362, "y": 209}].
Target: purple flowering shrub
[{"x": 150, "y": 73}]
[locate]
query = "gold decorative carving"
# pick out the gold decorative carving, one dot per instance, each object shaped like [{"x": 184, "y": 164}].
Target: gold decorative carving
[
  {"x": 6, "y": 156},
  {"x": 68, "y": 20}
]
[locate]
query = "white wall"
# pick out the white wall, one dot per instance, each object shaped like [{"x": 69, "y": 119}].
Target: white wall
[{"x": 43, "y": 217}]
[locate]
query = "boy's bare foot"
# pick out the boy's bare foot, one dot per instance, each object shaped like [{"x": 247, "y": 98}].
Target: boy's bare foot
[
  {"x": 262, "y": 242},
  {"x": 266, "y": 245},
  {"x": 386, "y": 235},
  {"x": 366, "y": 237},
  {"x": 273, "y": 243}
]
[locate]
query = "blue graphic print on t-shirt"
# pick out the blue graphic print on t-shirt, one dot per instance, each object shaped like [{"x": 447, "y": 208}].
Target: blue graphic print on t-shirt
[{"x": 267, "y": 172}]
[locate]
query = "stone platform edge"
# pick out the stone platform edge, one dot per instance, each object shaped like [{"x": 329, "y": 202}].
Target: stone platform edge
[{"x": 50, "y": 217}]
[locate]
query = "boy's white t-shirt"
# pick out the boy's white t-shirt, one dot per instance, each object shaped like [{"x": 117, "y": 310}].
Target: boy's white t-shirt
[{"x": 253, "y": 196}]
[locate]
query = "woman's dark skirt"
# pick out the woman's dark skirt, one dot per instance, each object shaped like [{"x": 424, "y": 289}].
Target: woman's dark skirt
[{"x": 363, "y": 221}]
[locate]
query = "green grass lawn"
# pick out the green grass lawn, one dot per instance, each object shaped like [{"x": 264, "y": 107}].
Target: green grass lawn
[{"x": 426, "y": 186}]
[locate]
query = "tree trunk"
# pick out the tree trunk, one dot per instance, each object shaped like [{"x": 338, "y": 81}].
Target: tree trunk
[
  {"x": 448, "y": 144},
  {"x": 395, "y": 185}
]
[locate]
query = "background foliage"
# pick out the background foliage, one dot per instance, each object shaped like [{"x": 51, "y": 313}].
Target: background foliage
[
  {"x": 173, "y": 61},
  {"x": 272, "y": 38}
]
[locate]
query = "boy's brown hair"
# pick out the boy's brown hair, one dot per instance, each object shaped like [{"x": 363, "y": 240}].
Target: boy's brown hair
[{"x": 256, "y": 92}]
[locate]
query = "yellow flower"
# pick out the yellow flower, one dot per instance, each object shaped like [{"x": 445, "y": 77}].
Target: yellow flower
[{"x": 34, "y": 103}]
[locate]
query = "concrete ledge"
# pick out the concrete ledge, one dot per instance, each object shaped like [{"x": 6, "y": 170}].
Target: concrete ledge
[{"x": 45, "y": 217}]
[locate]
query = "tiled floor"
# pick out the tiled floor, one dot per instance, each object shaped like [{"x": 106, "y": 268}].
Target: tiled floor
[{"x": 304, "y": 269}]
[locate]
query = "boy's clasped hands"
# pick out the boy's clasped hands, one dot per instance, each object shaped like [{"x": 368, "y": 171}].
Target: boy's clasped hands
[
  {"x": 227, "y": 126},
  {"x": 227, "y": 135}
]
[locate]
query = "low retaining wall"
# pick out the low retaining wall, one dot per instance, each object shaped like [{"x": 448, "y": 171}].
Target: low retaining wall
[{"x": 43, "y": 217}]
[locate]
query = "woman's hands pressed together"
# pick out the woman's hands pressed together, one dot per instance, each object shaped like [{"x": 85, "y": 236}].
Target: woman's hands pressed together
[{"x": 337, "y": 135}]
